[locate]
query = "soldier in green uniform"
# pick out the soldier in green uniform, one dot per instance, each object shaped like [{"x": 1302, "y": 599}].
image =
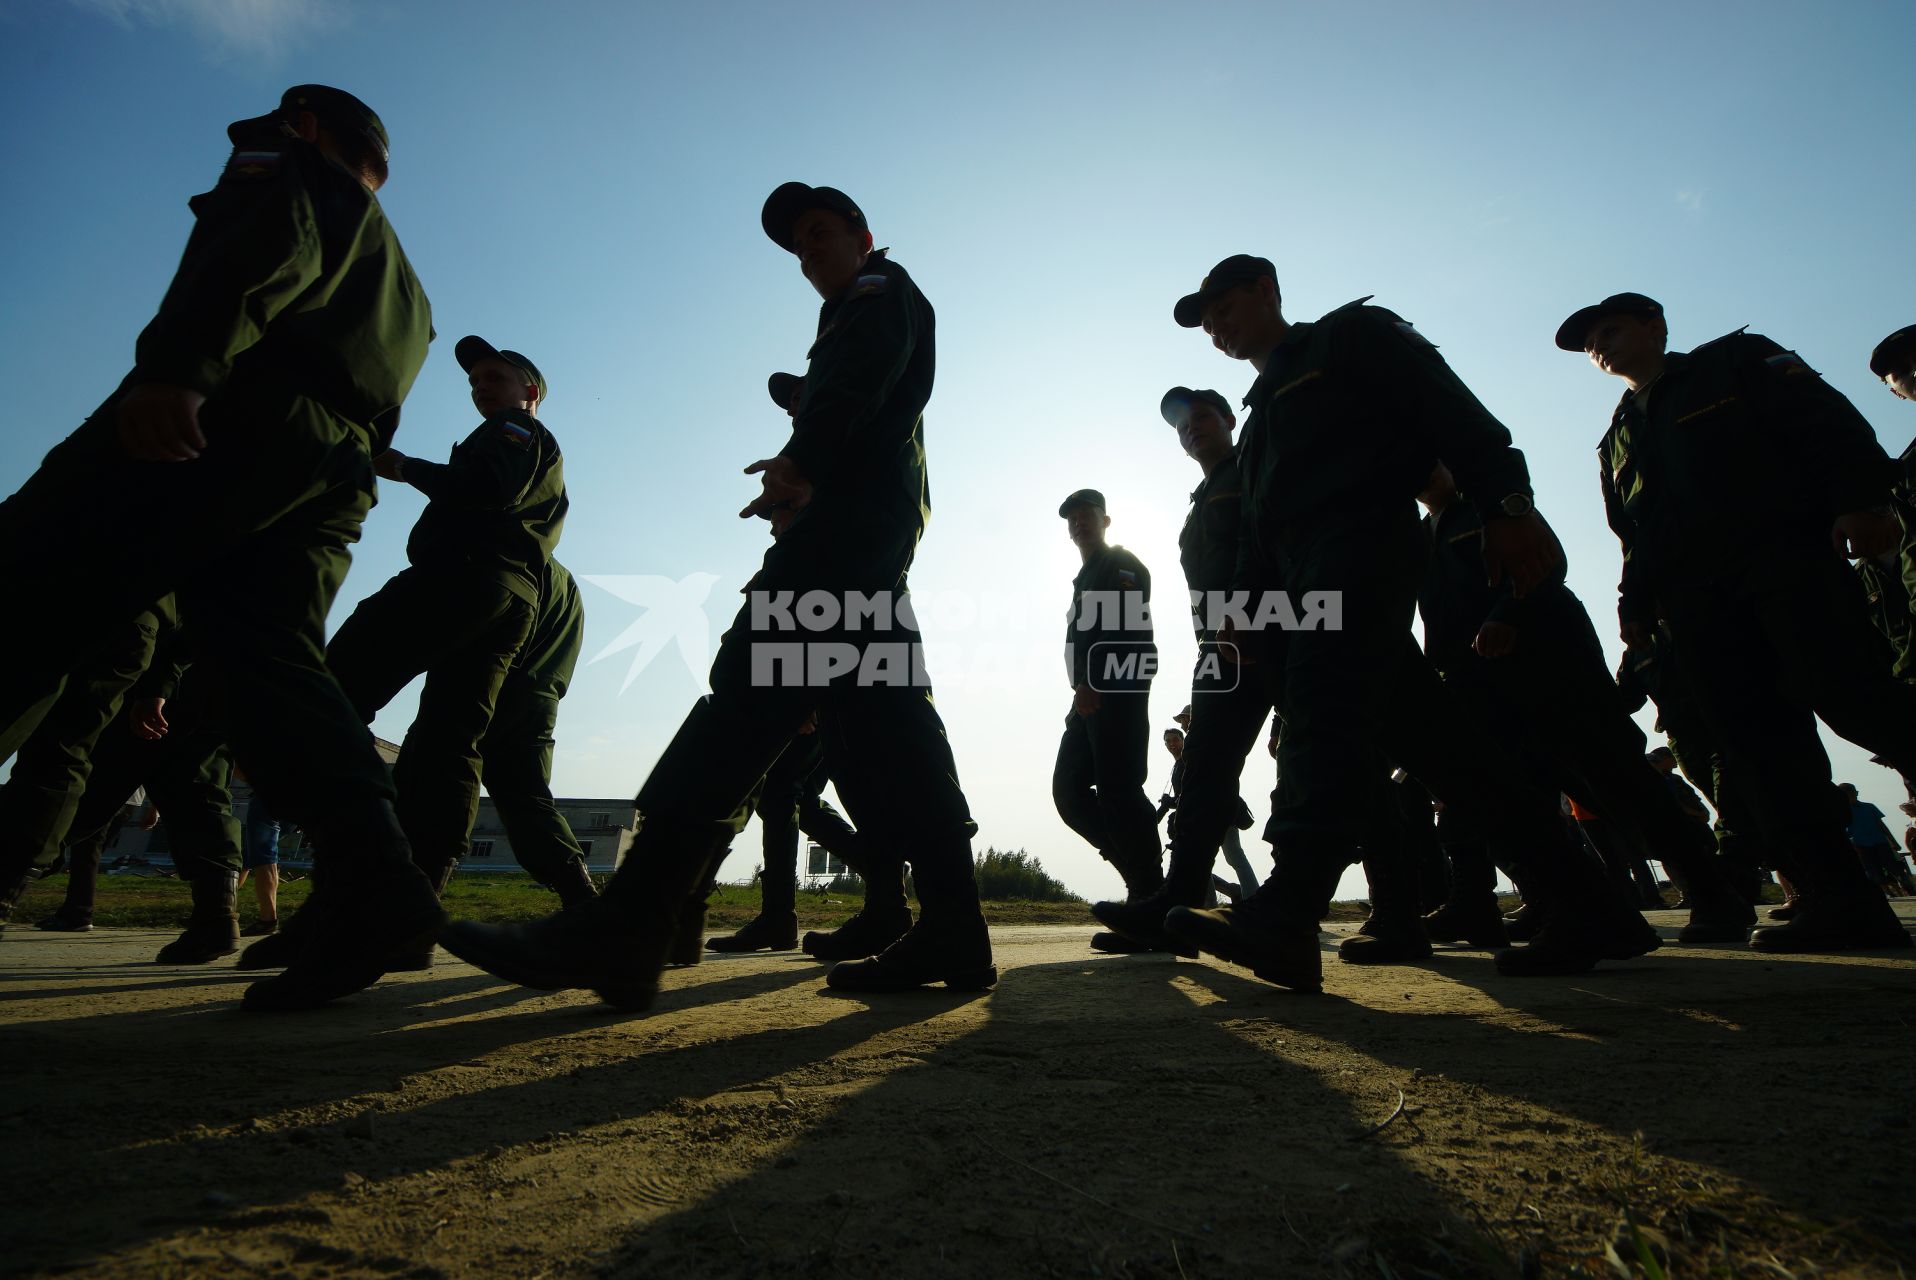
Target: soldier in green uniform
[
  {"x": 1734, "y": 533},
  {"x": 1891, "y": 580},
  {"x": 467, "y": 602},
  {"x": 1097, "y": 782},
  {"x": 1535, "y": 669},
  {"x": 849, "y": 490},
  {"x": 240, "y": 448},
  {"x": 1348, "y": 416}
]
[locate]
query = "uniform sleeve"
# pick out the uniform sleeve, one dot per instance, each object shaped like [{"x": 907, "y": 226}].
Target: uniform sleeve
[
  {"x": 253, "y": 251},
  {"x": 1832, "y": 448},
  {"x": 851, "y": 376},
  {"x": 172, "y": 657},
  {"x": 493, "y": 470},
  {"x": 1434, "y": 402}
]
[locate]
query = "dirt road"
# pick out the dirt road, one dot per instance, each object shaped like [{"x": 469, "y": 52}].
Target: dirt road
[{"x": 1094, "y": 1116}]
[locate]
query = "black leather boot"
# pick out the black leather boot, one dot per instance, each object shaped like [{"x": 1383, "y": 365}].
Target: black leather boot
[{"x": 212, "y": 930}]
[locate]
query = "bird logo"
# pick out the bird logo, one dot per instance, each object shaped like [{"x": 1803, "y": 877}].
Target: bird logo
[{"x": 674, "y": 613}]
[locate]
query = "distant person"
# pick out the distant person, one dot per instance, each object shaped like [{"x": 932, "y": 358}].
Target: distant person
[
  {"x": 850, "y": 485},
  {"x": 1097, "y": 782},
  {"x": 1737, "y": 481},
  {"x": 1875, "y": 847},
  {"x": 260, "y": 834}
]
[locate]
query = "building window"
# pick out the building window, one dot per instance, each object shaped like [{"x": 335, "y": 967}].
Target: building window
[
  {"x": 482, "y": 848},
  {"x": 600, "y": 820}
]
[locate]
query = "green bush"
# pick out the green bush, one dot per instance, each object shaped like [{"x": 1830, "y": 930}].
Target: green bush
[{"x": 1017, "y": 877}]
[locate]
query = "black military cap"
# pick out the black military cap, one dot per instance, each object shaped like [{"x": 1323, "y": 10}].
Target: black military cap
[
  {"x": 783, "y": 207},
  {"x": 1239, "y": 268},
  {"x": 1889, "y": 348},
  {"x": 335, "y": 108},
  {"x": 1082, "y": 498},
  {"x": 783, "y": 388},
  {"x": 1177, "y": 402},
  {"x": 470, "y": 350},
  {"x": 1572, "y": 332}
]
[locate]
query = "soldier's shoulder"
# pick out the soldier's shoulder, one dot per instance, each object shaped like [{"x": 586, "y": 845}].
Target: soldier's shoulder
[
  {"x": 1365, "y": 321},
  {"x": 514, "y": 427},
  {"x": 1754, "y": 351}
]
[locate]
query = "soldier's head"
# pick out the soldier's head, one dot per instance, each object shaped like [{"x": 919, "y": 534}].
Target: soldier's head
[
  {"x": 1848, "y": 791},
  {"x": 344, "y": 129},
  {"x": 1440, "y": 490},
  {"x": 824, "y": 228},
  {"x": 1624, "y": 335},
  {"x": 1238, "y": 305},
  {"x": 785, "y": 390},
  {"x": 500, "y": 380},
  {"x": 1662, "y": 759},
  {"x": 1084, "y": 519},
  {"x": 1203, "y": 420},
  {"x": 1894, "y": 361}
]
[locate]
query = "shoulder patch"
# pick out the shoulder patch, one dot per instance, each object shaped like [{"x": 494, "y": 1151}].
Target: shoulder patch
[
  {"x": 515, "y": 433},
  {"x": 253, "y": 163},
  {"x": 870, "y": 284},
  {"x": 1788, "y": 362},
  {"x": 1127, "y": 580}
]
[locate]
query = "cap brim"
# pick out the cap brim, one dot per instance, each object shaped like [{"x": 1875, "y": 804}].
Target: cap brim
[
  {"x": 1072, "y": 504},
  {"x": 1176, "y": 406},
  {"x": 1189, "y": 312},
  {"x": 1571, "y": 333},
  {"x": 781, "y": 212},
  {"x": 780, "y": 387},
  {"x": 471, "y": 349}
]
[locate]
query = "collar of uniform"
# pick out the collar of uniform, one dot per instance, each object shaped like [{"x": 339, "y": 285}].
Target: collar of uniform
[
  {"x": 1197, "y": 494},
  {"x": 1273, "y": 369}
]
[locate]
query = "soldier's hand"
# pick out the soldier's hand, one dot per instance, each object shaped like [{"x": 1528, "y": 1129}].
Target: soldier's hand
[
  {"x": 1864, "y": 535},
  {"x": 1635, "y": 635},
  {"x": 1087, "y": 700},
  {"x": 161, "y": 423},
  {"x": 1230, "y": 645},
  {"x": 387, "y": 465},
  {"x": 149, "y": 817},
  {"x": 1495, "y": 640},
  {"x": 809, "y": 725},
  {"x": 149, "y": 719},
  {"x": 1522, "y": 549},
  {"x": 781, "y": 488}
]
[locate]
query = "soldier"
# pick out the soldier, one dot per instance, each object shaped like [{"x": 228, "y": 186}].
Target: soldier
[
  {"x": 1535, "y": 669},
  {"x": 479, "y": 557},
  {"x": 240, "y": 448},
  {"x": 1348, "y": 416},
  {"x": 1097, "y": 782},
  {"x": 851, "y": 483},
  {"x": 1734, "y": 533}
]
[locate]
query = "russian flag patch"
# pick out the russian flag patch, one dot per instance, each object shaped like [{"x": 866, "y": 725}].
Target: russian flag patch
[
  {"x": 512, "y": 431},
  {"x": 1787, "y": 362}
]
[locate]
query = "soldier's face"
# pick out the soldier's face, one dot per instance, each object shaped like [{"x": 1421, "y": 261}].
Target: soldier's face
[
  {"x": 830, "y": 250},
  {"x": 1243, "y": 322},
  {"x": 498, "y": 385},
  {"x": 1204, "y": 430},
  {"x": 1624, "y": 345},
  {"x": 1901, "y": 377},
  {"x": 1086, "y": 525}
]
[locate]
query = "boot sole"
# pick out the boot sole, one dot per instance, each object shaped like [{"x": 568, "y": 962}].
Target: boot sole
[
  {"x": 331, "y": 977},
  {"x": 479, "y": 951},
  {"x": 1226, "y": 949},
  {"x": 1758, "y": 942}
]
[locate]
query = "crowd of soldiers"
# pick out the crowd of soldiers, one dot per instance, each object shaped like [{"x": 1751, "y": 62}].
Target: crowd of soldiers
[{"x": 264, "y": 400}]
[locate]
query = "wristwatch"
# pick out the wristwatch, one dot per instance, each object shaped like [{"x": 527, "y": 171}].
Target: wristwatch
[{"x": 1517, "y": 505}]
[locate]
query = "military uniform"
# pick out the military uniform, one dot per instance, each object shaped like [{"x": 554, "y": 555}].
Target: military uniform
[
  {"x": 1097, "y": 782},
  {"x": 1725, "y": 518},
  {"x": 1347, "y": 419},
  {"x": 295, "y": 312},
  {"x": 858, "y": 438},
  {"x": 459, "y": 615},
  {"x": 1554, "y": 698}
]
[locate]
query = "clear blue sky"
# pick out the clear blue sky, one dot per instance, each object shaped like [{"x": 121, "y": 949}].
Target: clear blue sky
[{"x": 582, "y": 182}]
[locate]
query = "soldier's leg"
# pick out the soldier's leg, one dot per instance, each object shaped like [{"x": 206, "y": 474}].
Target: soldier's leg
[
  {"x": 886, "y": 914},
  {"x": 1228, "y": 714},
  {"x": 516, "y": 769},
  {"x": 775, "y": 928},
  {"x": 1120, "y": 734},
  {"x": 1776, "y": 759},
  {"x": 189, "y": 779},
  {"x": 301, "y": 740},
  {"x": 1074, "y": 780}
]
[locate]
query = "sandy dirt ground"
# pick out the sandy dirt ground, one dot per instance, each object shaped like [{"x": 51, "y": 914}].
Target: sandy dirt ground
[{"x": 1095, "y": 1116}]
